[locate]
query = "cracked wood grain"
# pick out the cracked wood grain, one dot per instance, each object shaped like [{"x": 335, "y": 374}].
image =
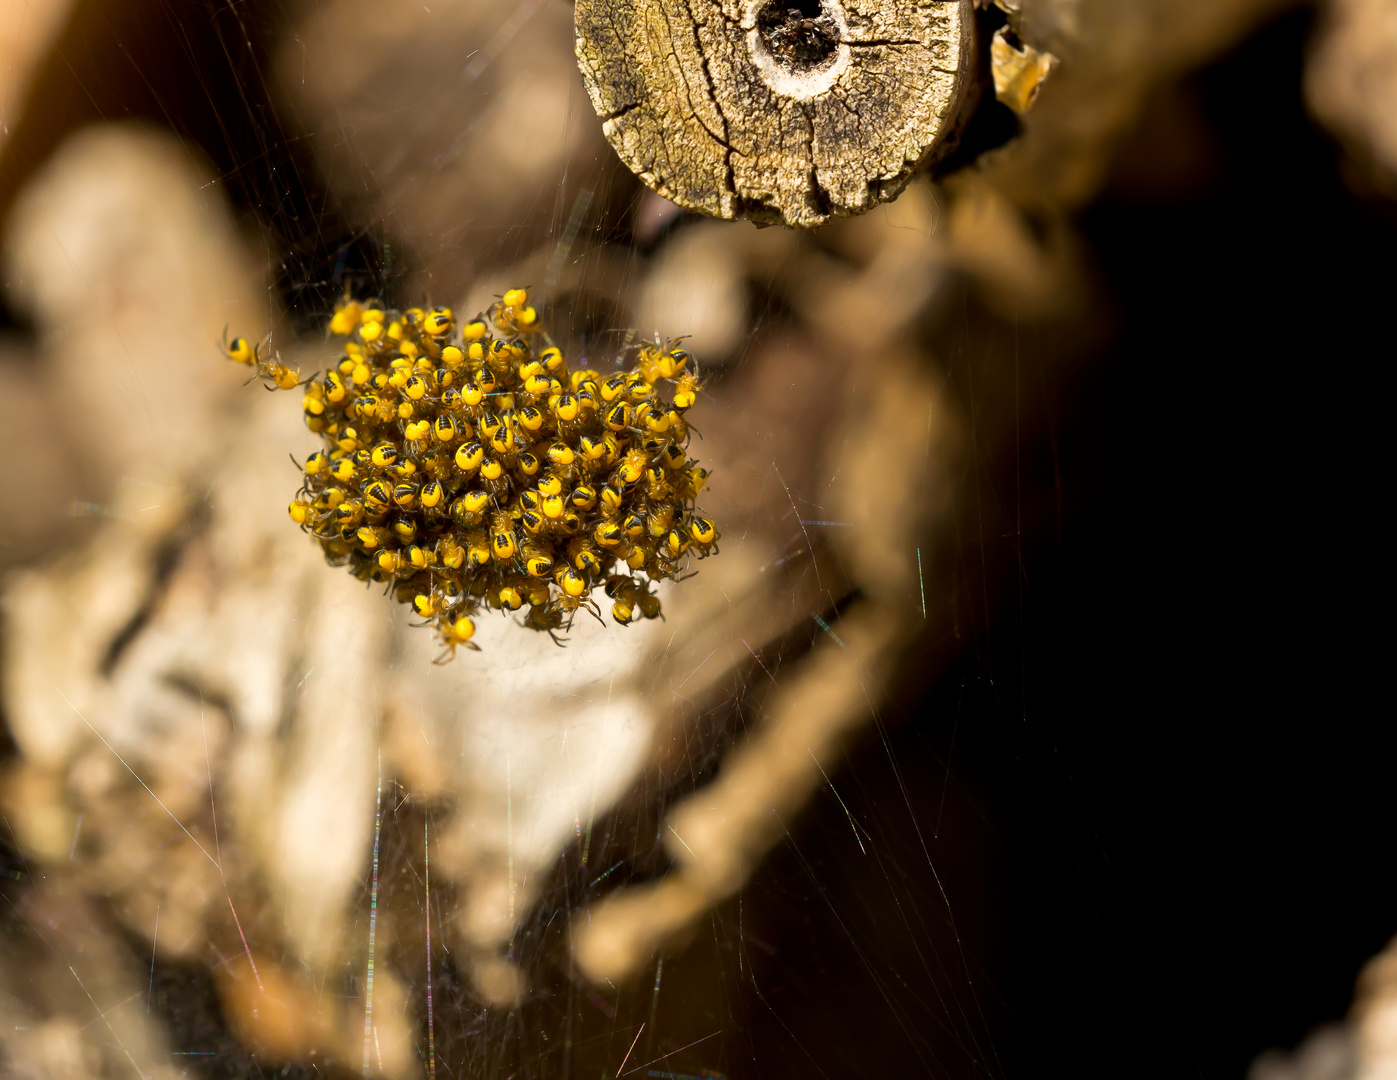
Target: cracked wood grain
[{"x": 788, "y": 112}]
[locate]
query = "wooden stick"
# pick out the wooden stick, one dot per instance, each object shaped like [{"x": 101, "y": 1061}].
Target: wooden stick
[{"x": 786, "y": 112}]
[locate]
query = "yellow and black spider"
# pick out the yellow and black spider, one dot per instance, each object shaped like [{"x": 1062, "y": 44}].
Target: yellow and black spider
[{"x": 470, "y": 468}]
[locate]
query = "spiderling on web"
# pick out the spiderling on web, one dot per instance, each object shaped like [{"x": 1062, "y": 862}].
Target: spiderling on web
[{"x": 469, "y": 467}]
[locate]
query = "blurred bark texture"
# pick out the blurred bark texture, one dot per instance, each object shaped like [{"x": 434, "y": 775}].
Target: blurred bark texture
[
  {"x": 27, "y": 29},
  {"x": 1351, "y": 83}
]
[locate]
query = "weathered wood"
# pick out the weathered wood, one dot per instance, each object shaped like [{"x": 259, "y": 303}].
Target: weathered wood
[{"x": 782, "y": 111}]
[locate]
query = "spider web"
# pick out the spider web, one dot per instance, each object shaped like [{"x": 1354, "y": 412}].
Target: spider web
[{"x": 973, "y": 852}]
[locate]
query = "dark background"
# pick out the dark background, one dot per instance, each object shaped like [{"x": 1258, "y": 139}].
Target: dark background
[
  {"x": 1169, "y": 798},
  {"x": 1139, "y": 825}
]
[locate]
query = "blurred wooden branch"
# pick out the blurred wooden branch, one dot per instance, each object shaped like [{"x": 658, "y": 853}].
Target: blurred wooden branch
[
  {"x": 26, "y": 33},
  {"x": 1351, "y": 86}
]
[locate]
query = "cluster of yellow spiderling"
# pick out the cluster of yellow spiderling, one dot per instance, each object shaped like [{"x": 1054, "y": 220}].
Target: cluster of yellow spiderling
[{"x": 470, "y": 468}]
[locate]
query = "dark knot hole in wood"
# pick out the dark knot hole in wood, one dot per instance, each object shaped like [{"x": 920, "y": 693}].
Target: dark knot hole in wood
[{"x": 800, "y": 34}]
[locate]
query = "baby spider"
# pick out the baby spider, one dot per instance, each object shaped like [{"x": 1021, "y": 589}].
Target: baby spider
[
  {"x": 242, "y": 351},
  {"x": 548, "y": 618},
  {"x": 656, "y": 361},
  {"x": 455, "y": 633}
]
